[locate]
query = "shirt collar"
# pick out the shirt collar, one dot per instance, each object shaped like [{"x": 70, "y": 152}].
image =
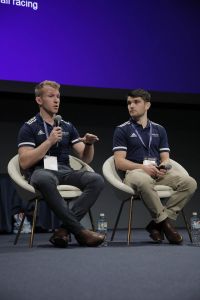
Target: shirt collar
[
  {"x": 40, "y": 120},
  {"x": 138, "y": 125}
]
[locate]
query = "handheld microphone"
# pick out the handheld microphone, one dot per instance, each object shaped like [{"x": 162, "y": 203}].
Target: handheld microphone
[
  {"x": 165, "y": 167},
  {"x": 57, "y": 120}
]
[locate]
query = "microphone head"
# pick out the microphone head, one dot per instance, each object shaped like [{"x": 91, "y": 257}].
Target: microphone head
[
  {"x": 166, "y": 167},
  {"x": 57, "y": 120}
]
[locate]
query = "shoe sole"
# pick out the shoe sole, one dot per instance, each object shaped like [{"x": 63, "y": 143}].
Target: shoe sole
[
  {"x": 60, "y": 243},
  {"x": 148, "y": 229},
  {"x": 176, "y": 243},
  {"x": 156, "y": 241},
  {"x": 95, "y": 244}
]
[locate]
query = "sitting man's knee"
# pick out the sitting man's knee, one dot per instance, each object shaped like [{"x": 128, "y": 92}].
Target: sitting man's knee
[
  {"x": 189, "y": 183},
  {"x": 96, "y": 180},
  {"x": 192, "y": 184}
]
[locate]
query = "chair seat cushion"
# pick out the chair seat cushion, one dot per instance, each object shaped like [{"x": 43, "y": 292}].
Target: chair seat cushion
[
  {"x": 69, "y": 191},
  {"x": 163, "y": 191},
  {"x": 67, "y": 188},
  {"x": 162, "y": 188}
]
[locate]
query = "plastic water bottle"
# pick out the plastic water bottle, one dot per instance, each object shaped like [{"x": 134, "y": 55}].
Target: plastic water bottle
[
  {"x": 195, "y": 229},
  {"x": 103, "y": 227},
  {"x": 26, "y": 228}
]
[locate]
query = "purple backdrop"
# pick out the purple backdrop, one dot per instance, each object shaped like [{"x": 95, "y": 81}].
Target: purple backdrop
[{"x": 110, "y": 44}]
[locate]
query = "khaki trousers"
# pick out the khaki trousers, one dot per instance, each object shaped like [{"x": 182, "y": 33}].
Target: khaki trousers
[{"x": 183, "y": 185}]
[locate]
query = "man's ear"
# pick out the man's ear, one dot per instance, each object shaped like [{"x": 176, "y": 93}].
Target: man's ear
[
  {"x": 38, "y": 100},
  {"x": 148, "y": 105}
]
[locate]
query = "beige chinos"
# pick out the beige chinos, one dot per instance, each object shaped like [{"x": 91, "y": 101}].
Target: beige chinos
[{"x": 183, "y": 185}]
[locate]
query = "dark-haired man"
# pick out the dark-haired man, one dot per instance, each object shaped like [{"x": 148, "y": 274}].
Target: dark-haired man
[
  {"x": 43, "y": 149},
  {"x": 141, "y": 150}
]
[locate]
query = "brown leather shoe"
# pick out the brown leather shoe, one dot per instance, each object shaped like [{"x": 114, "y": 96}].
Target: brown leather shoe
[
  {"x": 170, "y": 232},
  {"x": 89, "y": 238},
  {"x": 155, "y": 232},
  {"x": 60, "y": 238}
]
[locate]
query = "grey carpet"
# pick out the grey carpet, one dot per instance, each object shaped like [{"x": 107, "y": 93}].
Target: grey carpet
[{"x": 140, "y": 271}]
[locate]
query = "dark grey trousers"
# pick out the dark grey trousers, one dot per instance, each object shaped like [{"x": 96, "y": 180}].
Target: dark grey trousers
[{"x": 90, "y": 183}]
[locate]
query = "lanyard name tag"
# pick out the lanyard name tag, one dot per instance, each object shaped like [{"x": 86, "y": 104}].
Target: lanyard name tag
[
  {"x": 50, "y": 163},
  {"x": 149, "y": 161}
]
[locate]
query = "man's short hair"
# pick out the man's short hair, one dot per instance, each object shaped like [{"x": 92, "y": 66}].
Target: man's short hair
[
  {"x": 140, "y": 93},
  {"x": 41, "y": 85}
]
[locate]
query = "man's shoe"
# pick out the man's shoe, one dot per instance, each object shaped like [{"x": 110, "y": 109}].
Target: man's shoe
[
  {"x": 89, "y": 238},
  {"x": 155, "y": 232},
  {"x": 170, "y": 232},
  {"x": 60, "y": 238}
]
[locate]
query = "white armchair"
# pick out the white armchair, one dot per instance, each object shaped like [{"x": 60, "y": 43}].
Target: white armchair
[
  {"x": 28, "y": 192},
  {"x": 125, "y": 193}
]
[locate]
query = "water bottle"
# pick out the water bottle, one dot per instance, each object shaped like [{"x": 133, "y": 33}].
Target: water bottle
[
  {"x": 103, "y": 227},
  {"x": 26, "y": 228},
  {"x": 195, "y": 229}
]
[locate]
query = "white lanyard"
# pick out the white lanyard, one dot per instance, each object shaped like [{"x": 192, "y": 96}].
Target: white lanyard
[
  {"x": 46, "y": 130},
  {"x": 140, "y": 138},
  {"x": 47, "y": 134},
  {"x": 50, "y": 162}
]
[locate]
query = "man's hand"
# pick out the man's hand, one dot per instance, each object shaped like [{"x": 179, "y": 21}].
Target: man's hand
[
  {"x": 153, "y": 171},
  {"x": 55, "y": 135},
  {"x": 89, "y": 139}
]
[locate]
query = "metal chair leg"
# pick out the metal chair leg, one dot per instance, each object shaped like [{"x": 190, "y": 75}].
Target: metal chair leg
[
  {"x": 70, "y": 236},
  {"x": 130, "y": 220},
  {"x": 33, "y": 224},
  {"x": 117, "y": 220},
  {"x": 91, "y": 219},
  {"x": 187, "y": 225},
  {"x": 20, "y": 229}
]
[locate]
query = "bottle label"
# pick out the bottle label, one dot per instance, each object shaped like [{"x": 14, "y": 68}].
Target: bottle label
[
  {"x": 196, "y": 225},
  {"x": 105, "y": 225},
  {"x": 102, "y": 226}
]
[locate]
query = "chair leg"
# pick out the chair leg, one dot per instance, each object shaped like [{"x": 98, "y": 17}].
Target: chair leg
[
  {"x": 33, "y": 224},
  {"x": 187, "y": 225},
  {"x": 91, "y": 219},
  {"x": 70, "y": 236},
  {"x": 130, "y": 221},
  {"x": 117, "y": 220},
  {"x": 20, "y": 229}
]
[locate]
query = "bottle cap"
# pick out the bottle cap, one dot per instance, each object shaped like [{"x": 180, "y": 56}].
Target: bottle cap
[
  {"x": 102, "y": 215},
  {"x": 194, "y": 213}
]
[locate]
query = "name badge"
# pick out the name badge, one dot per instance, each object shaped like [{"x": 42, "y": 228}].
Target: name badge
[
  {"x": 149, "y": 161},
  {"x": 51, "y": 163}
]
